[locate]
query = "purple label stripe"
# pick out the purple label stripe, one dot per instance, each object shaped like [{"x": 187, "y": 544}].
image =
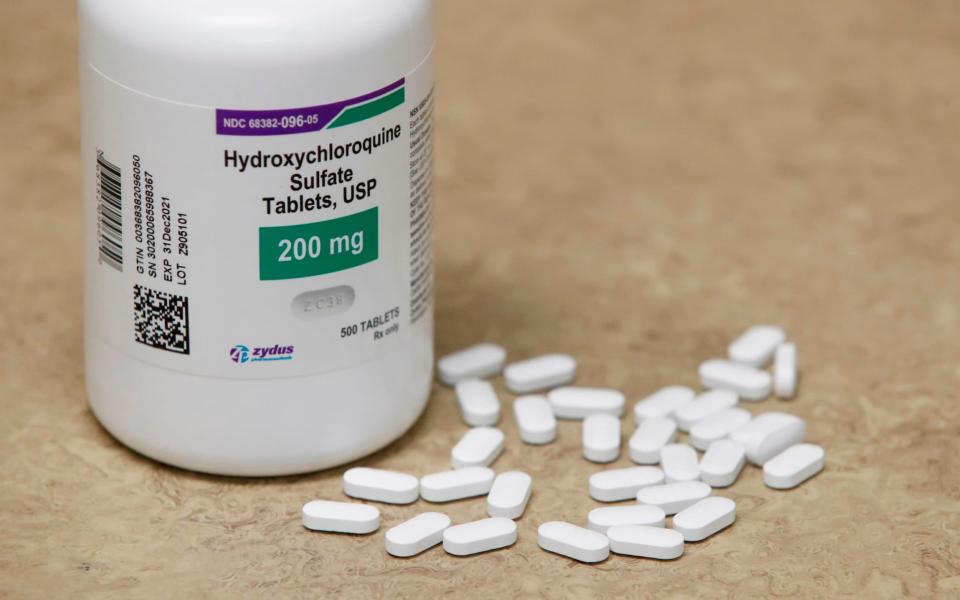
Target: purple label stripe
[{"x": 284, "y": 121}]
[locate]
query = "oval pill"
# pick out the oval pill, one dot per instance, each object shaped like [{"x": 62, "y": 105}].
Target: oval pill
[
  {"x": 769, "y": 434},
  {"x": 662, "y": 403},
  {"x": 703, "y": 407},
  {"x": 674, "y": 497},
  {"x": 540, "y": 373},
  {"x": 457, "y": 484},
  {"x": 722, "y": 463},
  {"x": 705, "y": 518},
  {"x": 623, "y": 484},
  {"x": 646, "y": 541},
  {"x": 535, "y": 419},
  {"x": 601, "y": 438},
  {"x": 651, "y": 435},
  {"x": 415, "y": 535},
  {"x": 756, "y": 345},
  {"x": 793, "y": 466},
  {"x": 580, "y": 402},
  {"x": 478, "y": 402},
  {"x": 747, "y": 382},
  {"x": 479, "y": 447},
  {"x": 573, "y": 541},
  {"x": 717, "y": 427},
  {"x": 509, "y": 495},
  {"x": 603, "y": 518},
  {"x": 480, "y": 360},
  {"x": 785, "y": 371},
  {"x": 340, "y": 517},
  {"x": 679, "y": 463},
  {"x": 479, "y": 536},
  {"x": 381, "y": 485}
]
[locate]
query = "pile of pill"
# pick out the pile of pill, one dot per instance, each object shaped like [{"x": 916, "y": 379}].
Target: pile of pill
[{"x": 671, "y": 479}]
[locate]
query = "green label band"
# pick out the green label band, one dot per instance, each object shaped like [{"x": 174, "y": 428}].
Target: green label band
[
  {"x": 293, "y": 251},
  {"x": 369, "y": 110}
]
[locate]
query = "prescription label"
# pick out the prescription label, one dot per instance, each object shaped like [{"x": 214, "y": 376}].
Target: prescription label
[{"x": 260, "y": 242}]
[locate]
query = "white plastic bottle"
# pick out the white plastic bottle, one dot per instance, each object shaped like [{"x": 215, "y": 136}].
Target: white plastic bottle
[{"x": 258, "y": 212}]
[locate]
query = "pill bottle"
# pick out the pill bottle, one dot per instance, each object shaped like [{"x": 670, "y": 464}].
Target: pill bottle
[{"x": 258, "y": 259}]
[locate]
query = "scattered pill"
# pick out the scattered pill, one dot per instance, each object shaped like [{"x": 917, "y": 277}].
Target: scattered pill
[
  {"x": 457, "y": 484},
  {"x": 605, "y": 517},
  {"x": 651, "y": 435},
  {"x": 646, "y": 541},
  {"x": 681, "y": 486},
  {"x": 785, "y": 371},
  {"x": 573, "y": 541},
  {"x": 415, "y": 535},
  {"x": 674, "y": 497},
  {"x": 380, "y": 485},
  {"x": 747, "y": 382},
  {"x": 756, "y": 345},
  {"x": 481, "y": 360},
  {"x": 722, "y": 463},
  {"x": 601, "y": 438},
  {"x": 580, "y": 402},
  {"x": 479, "y": 447},
  {"x": 478, "y": 402},
  {"x": 340, "y": 517},
  {"x": 705, "y": 518},
  {"x": 479, "y": 536},
  {"x": 535, "y": 419},
  {"x": 540, "y": 373},
  {"x": 623, "y": 484},
  {"x": 662, "y": 403},
  {"x": 717, "y": 427},
  {"x": 509, "y": 495},
  {"x": 703, "y": 407},
  {"x": 793, "y": 466},
  {"x": 679, "y": 463},
  {"x": 769, "y": 434}
]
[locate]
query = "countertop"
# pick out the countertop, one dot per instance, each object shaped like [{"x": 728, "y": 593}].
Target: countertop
[{"x": 630, "y": 182}]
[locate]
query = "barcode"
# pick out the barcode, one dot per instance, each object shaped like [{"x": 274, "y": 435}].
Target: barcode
[
  {"x": 161, "y": 320},
  {"x": 109, "y": 213}
]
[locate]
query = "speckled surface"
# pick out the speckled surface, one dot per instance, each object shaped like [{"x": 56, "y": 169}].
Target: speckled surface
[{"x": 631, "y": 182}]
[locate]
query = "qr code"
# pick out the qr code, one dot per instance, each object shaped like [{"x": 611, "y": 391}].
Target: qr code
[{"x": 160, "y": 320}]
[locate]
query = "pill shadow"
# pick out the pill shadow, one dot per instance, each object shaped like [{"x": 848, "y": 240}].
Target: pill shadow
[
  {"x": 345, "y": 534},
  {"x": 572, "y": 562},
  {"x": 631, "y": 558}
]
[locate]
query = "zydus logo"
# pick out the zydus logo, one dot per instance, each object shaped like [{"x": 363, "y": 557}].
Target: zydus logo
[{"x": 241, "y": 354}]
